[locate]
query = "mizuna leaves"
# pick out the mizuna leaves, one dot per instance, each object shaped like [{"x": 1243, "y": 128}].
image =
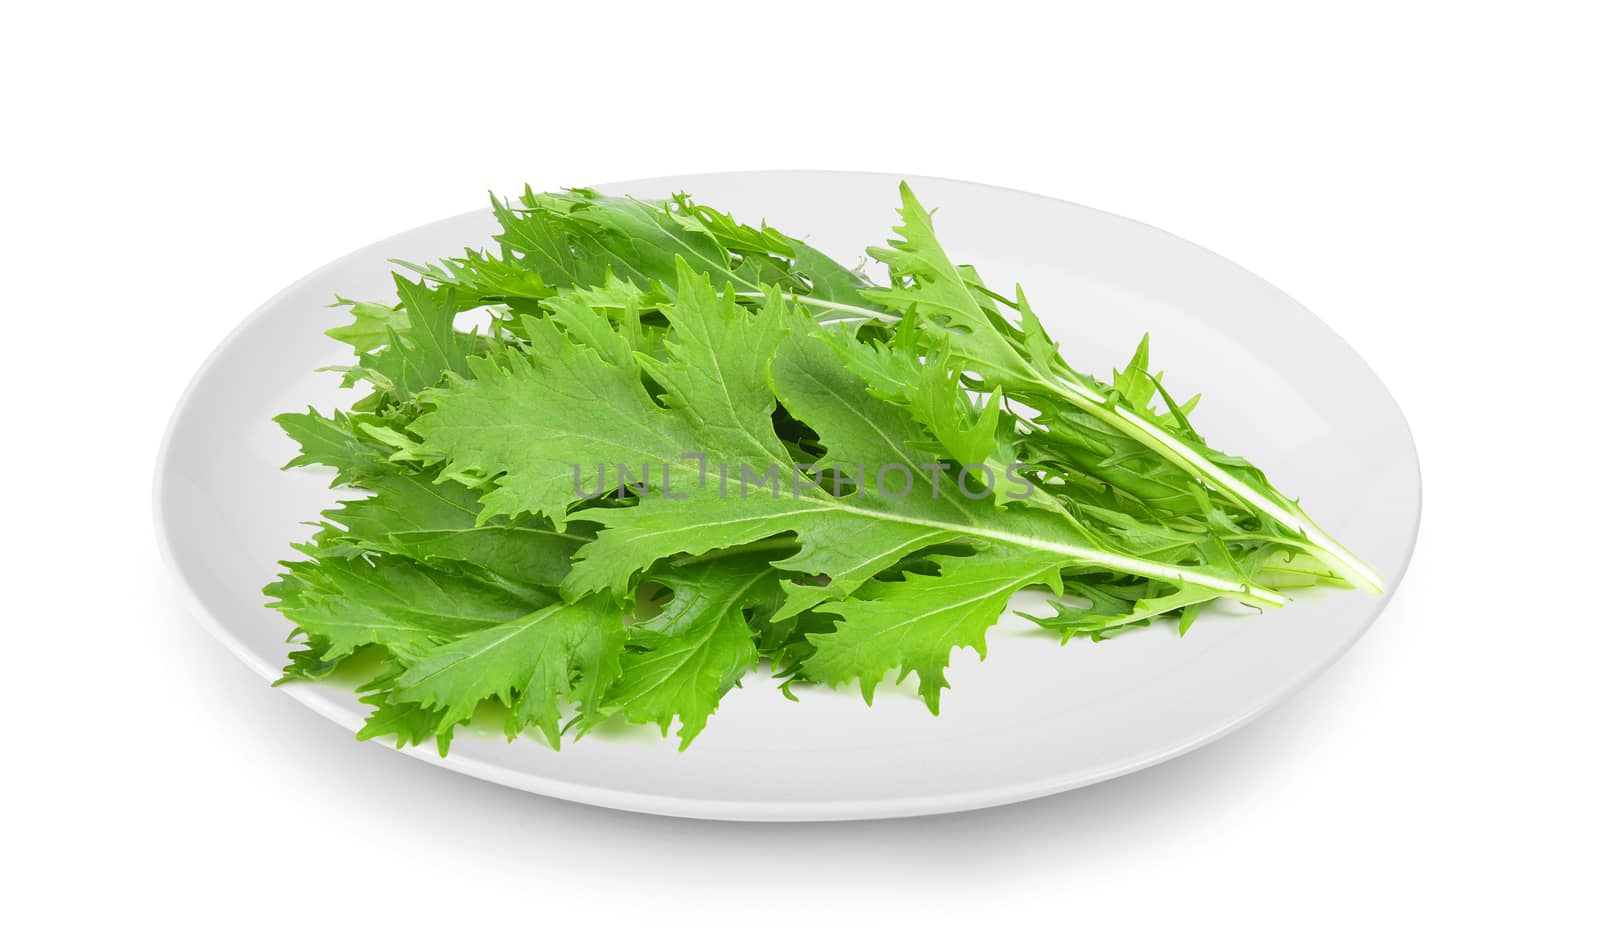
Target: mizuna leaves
[{"x": 687, "y": 447}]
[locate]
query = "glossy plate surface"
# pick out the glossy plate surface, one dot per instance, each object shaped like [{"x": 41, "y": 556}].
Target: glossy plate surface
[{"x": 1035, "y": 718}]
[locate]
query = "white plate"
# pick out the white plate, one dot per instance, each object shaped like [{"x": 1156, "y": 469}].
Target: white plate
[{"x": 1035, "y": 718}]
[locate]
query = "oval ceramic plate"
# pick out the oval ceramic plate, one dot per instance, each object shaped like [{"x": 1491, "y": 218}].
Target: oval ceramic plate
[{"x": 1036, "y": 717}]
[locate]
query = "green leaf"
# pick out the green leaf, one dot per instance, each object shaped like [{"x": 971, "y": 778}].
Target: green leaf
[
  {"x": 332, "y": 441},
  {"x": 928, "y": 385},
  {"x": 1107, "y": 613},
  {"x": 407, "y": 722},
  {"x": 699, "y": 646},
  {"x": 913, "y": 625},
  {"x": 372, "y": 324},
  {"x": 407, "y": 608},
  {"x": 528, "y": 664},
  {"x": 540, "y": 424},
  {"x": 419, "y": 354},
  {"x": 478, "y": 278},
  {"x": 420, "y": 518}
]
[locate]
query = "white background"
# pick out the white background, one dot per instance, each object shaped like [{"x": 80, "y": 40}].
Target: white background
[{"x": 1423, "y": 177}]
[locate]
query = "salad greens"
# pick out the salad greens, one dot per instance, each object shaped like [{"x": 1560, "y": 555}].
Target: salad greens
[{"x": 678, "y": 447}]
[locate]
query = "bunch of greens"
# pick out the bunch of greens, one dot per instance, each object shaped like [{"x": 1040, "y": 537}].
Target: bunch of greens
[{"x": 491, "y": 567}]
